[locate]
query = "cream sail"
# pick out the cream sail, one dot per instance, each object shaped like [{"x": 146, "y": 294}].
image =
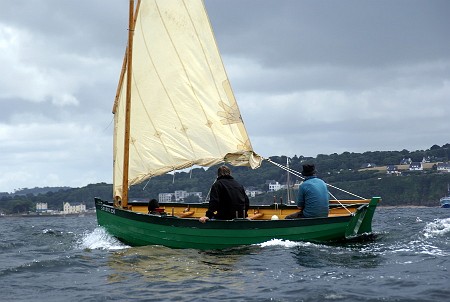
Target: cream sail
[{"x": 183, "y": 111}]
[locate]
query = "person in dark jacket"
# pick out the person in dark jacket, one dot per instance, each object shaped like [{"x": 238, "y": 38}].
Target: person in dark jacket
[
  {"x": 153, "y": 204},
  {"x": 227, "y": 199},
  {"x": 153, "y": 208}
]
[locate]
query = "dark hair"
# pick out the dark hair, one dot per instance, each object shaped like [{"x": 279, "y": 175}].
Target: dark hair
[
  {"x": 152, "y": 205},
  {"x": 223, "y": 170},
  {"x": 308, "y": 170}
]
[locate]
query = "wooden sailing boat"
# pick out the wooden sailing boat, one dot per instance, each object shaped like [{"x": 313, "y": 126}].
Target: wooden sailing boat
[{"x": 175, "y": 108}]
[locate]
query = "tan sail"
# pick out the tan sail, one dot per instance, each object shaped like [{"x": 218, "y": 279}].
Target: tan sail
[{"x": 183, "y": 110}]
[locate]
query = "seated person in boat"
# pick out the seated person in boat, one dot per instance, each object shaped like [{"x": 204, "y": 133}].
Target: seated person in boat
[
  {"x": 227, "y": 198},
  {"x": 313, "y": 199},
  {"x": 153, "y": 207}
]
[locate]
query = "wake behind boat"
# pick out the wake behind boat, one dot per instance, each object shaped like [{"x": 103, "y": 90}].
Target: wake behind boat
[{"x": 174, "y": 109}]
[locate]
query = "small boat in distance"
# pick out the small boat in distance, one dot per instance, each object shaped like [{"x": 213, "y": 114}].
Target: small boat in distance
[
  {"x": 445, "y": 201},
  {"x": 175, "y": 109}
]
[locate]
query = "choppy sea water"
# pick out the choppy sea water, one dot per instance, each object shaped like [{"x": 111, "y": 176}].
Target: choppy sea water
[{"x": 72, "y": 259}]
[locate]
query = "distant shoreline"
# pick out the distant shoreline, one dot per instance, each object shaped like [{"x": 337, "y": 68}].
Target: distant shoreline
[
  {"x": 407, "y": 206},
  {"x": 90, "y": 213}
]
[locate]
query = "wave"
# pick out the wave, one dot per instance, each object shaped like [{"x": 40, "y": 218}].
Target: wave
[
  {"x": 99, "y": 239},
  {"x": 429, "y": 240},
  {"x": 437, "y": 228},
  {"x": 53, "y": 232}
]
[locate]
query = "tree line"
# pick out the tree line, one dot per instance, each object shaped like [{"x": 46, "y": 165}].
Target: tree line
[{"x": 421, "y": 188}]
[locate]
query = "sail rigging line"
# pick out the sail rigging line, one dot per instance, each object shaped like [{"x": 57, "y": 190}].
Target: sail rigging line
[
  {"x": 288, "y": 181},
  {"x": 146, "y": 183},
  {"x": 298, "y": 174},
  {"x": 342, "y": 190},
  {"x": 110, "y": 123},
  {"x": 340, "y": 203},
  {"x": 209, "y": 191}
]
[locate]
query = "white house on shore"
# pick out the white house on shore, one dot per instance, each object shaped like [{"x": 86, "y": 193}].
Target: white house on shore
[
  {"x": 416, "y": 166},
  {"x": 41, "y": 207},
  {"x": 392, "y": 169},
  {"x": 274, "y": 186},
  {"x": 178, "y": 196},
  {"x": 443, "y": 167},
  {"x": 165, "y": 197},
  {"x": 252, "y": 192},
  {"x": 68, "y": 209}
]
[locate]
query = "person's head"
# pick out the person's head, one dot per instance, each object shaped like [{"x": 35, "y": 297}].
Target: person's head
[
  {"x": 308, "y": 170},
  {"x": 223, "y": 170},
  {"x": 152, "y": 205}
]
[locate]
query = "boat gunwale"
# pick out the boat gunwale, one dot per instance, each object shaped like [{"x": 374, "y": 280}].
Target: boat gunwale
[
  {"x": 281, "y": 206},
  {"x": 238, "y": 223}
]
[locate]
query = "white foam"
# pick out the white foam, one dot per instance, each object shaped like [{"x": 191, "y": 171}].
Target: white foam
[
  {"x": 100, "y": 239},
  {"x": 427, "y": 241},
  {"x": 437, "y": 228},
  {"x": 285, "y": 243}
]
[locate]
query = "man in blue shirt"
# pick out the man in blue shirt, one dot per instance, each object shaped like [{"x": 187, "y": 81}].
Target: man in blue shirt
[{"x": 312, "y": 200}]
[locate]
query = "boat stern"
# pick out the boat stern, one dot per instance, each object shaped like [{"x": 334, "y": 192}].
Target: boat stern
[{"x": 361, "y": 222}]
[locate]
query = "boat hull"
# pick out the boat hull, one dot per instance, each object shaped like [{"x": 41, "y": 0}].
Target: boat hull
[
  {"x": 445, "y": 202},
  {"x": 138, "y": 229}
]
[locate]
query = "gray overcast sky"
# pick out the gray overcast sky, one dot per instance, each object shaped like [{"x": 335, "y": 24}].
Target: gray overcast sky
[{"x": 311, "y": 77}]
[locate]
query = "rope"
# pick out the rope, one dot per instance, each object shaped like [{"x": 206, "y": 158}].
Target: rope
[
  {"x": 340, "y": 203},
  {"x": 298, "y": 174},
  {"x": 209, "y": 192},
  {"x": 146, "y": 184},
  {"x": 350, "y": 193}
]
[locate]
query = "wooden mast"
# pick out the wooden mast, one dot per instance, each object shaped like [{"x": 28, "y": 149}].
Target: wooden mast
[
  {"x": 124, "y": 64},
  {"x": 126, "y": 155},
  {"x": 288, "y": 202}
]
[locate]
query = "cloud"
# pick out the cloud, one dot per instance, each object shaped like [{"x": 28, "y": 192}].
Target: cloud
[
  {"x": 400, "y": 94},
  {"x": 44, "y": 153},
  {"x": 56, "y": 93},
  {"x": 311, "y": 77}
]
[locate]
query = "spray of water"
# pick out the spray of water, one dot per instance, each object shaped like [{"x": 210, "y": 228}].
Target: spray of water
[
  {"x": 436, "y": 228},
  {"x": 285, "y": 243},
  {"x": 100, "y": 239}
]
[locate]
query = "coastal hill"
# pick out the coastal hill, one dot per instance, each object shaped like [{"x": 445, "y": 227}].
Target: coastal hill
[{"x": 365, "y": 174}]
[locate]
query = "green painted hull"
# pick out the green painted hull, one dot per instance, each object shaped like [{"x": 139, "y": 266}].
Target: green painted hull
[{"x": 139, "y": 229}]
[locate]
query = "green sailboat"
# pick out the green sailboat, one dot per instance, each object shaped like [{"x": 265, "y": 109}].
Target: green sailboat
[{"x": 174, "y": 109}]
